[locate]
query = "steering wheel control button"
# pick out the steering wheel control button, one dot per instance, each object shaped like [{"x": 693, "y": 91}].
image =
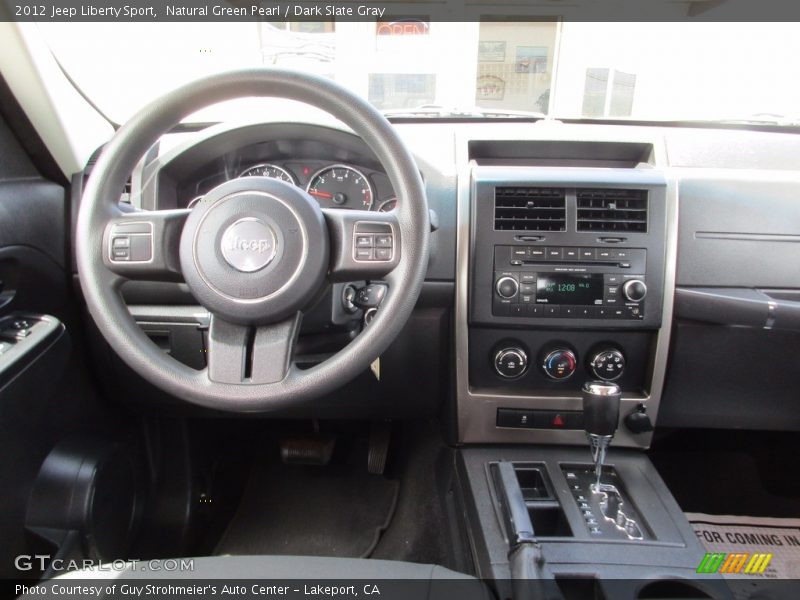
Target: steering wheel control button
[
  {"x": 608, "y": 364},
  {"x": 383, "y": 254},
  {"x": 249, "y": 245},
  {"x": 559, "y": 364},
  {"x": 511, "y": 363},
  {"x": 365, "y": 254},
  {"x": 383, "y": 241},
  {"x": 507, "y": 287},
  {"x": 131, "y": 242},
  {"x": 373, "y": 242}
]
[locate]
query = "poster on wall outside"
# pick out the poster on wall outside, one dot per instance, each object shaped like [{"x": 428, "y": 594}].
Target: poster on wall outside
[
  {"x": 531, "y": 59},
  {"x": 491, "y": 51}
]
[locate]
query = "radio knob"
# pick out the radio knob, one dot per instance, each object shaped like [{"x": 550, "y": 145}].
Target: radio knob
[
  {"x": 507, "y": 287},
  {"x": 608, "y": 364},
  {"x": 634, "y": 290},
  {"x": 559, "y": 364},
  {"x": 511, "y": 363}
]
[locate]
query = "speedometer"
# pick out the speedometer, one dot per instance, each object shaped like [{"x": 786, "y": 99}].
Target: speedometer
[
  {"x": 341, "y": 186},
  {"x": 268, "y": 170}
]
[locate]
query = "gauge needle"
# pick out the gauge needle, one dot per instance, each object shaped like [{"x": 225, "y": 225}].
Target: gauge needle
[{"x": 320, "y": 194}]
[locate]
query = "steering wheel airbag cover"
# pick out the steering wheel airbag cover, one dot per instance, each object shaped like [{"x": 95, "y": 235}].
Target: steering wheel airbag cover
[{"x": 293, "y": 243}]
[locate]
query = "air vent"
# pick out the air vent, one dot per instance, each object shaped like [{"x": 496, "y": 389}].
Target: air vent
[
  {"x": 529, "y": 209},
  {"x": 612, "y": 210}
]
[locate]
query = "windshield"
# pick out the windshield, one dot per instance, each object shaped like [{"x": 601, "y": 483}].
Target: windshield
[{"x": 737, "y": 72}]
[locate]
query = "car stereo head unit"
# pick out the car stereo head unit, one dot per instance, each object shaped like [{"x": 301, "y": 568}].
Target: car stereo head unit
[{"x": 569, "y": 282}]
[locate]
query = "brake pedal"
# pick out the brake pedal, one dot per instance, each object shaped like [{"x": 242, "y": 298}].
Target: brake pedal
[
  {"x": 312, "y": 449},
  {"x": 380, "y": 434}
]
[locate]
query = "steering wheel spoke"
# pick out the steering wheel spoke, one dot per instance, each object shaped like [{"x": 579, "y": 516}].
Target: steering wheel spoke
[
  {"x": 364, "y": 245},
  {"x": 144, "y": 245},
  {"x": 242, "y": 354}
]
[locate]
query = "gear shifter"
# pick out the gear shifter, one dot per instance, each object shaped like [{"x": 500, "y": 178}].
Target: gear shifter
[{"x": 600, "y": 415}]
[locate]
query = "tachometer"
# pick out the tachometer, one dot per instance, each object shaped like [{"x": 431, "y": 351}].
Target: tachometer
[
  {"x": 341, "y": 186},
  {"x": 269, "y": 170}
]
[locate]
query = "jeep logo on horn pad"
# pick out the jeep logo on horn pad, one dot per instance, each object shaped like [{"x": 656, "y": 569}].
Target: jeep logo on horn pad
[{"x": 249, "y": 245}]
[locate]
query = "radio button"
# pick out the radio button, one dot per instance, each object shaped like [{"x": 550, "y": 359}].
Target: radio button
[
  {"x": 527, "y": 278},
  {"x": 621, "y": 254},
  {"x": 634, "y": 290},
  {"x": 612, "y": 279},
  {"x": 569, "y": 311},
  {"x": 552, "y": 310},
  {"x": 603, "y": 254},
  {"x": 517, "y": 310},
  {"x": 635, "y": 312},
  {"x": 519, "y": 252},
  {"x": 601, "y": 312},
  {"x": 527, "y": 288},
  {"x": 537, "y": 253},
  {"x": 587, "y": 254},
  {"x": 555, "y": 254},
  {"x": 506, "y": 287},
  {"x": 587, "y": 312},
  {"x": 571, "y": 254},
  {"x": 535, "y": 310},
  {"x": 618, "y": 312},
  {"x": 527, "y": 298}
]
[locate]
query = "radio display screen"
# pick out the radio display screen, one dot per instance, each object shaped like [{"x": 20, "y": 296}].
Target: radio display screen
[{"x": 552, "y": 288}]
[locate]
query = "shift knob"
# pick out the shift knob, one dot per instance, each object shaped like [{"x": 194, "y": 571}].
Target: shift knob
[{"x": 601, "y": 407}]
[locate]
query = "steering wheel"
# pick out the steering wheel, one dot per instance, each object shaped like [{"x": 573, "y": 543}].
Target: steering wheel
[{"x": 255, "y": 252}]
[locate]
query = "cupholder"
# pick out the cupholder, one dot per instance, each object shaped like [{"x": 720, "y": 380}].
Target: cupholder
[{"x": 532, "y": 484}]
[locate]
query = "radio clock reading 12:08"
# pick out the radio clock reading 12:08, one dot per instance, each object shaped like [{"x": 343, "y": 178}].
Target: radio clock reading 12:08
[{"x": 341, "y": 186}]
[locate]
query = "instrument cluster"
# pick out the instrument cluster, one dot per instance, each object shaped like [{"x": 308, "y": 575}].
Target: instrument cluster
[{"x": 331, "y": 184}]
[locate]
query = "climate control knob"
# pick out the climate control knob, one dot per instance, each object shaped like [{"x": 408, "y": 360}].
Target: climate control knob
[
  {"x": 608, "y": 364},
  {"x": 559, "y": 364},
  {"x": 511, "y": 363},
  {"x": 634, "y": 290},
  {"x": 507, "y": 287}
]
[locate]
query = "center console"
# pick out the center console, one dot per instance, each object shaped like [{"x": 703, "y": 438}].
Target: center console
[
  {"x": 635, "y": 544},
  {"x": 566, "y": 264},
  {"x": 565, "y": 274}
]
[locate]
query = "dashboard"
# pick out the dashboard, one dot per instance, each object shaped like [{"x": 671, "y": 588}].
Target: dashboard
[{"x": 563, "y": 252}]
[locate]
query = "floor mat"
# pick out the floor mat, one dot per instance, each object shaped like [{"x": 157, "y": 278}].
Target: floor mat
[
  {"x": 338, "y": 510},
  {"x": 747, "y": 547}
]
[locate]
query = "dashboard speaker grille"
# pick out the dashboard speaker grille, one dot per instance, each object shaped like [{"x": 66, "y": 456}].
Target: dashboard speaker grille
[
  {"x": 612, "y": 210},
  {"x": 530, "y": 209}
]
